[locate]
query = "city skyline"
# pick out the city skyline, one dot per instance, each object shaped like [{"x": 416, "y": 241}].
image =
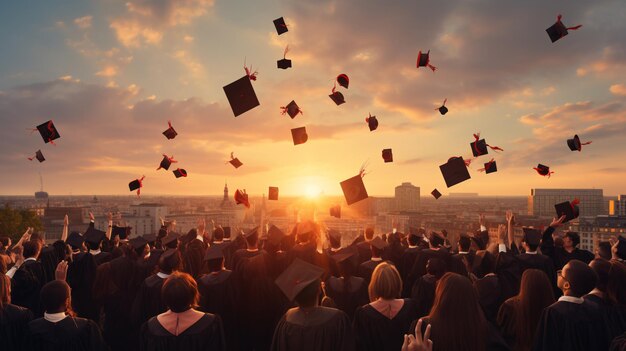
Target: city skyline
[{"x": 111, "y": 74}]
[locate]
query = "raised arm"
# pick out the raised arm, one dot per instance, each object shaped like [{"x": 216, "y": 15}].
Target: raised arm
[
  {"x": 66, "y": 226},
  {"x": 109, "y": 231},
  {"x": 547, "y": 243},
  {"x": 510, "y": 221},
  {"x": 25, "y": 237}
]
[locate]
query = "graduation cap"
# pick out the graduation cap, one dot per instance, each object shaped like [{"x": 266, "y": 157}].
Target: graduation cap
[
  {"x": 543, "y": 170},
  {"x": 214, "y": 252},
  {"x": 38, "y": 156},
  {"x": 334, "y": 236},
  {"x": 418, "y": 232},
  {"x": 280, "y": 25},
  {"x": 136, "y": 184},
  {"x": 436, "y": 239},
  {"x": 94, "y": 236},
  {"x": 242, "y": 198},
  {"x": 170, "y": 133},
  {"x": 575, "y": 144},
  {"x": 423, "y": 60},
  {"x": 297, "y": 277},
  {"x": 558, "y": 29},
  {"x": 241, "y": 95},
  {"x": 436, "y": 194},
  {"x": 275, "y": 235},
  {"x": 179, "y": 172},
  {"x": 337, "y": 97},
  {"x": 479, "y": 146},
  {"x": 346, "y": 255},
  {"x": 443, "y": 109},
  {"x": 372, "y": 122},
  {"x": 48, "y": 132},
  {"x": 299, "y": 135},
  {"x": 169, "y": 238},
  {"x": 569, "y": 209},
  {"x": 354, "y": 189},
  {"x": 166, "y": 162},
  {"x": 273, "y": 193},
  {"x": 75, "y": 239},
  {"x": 138, "y": 242},
  {"x": 226, "y": 232},
  {"x": 532, "y": 236},
  {"x": 292, "y": 109},
  {"x": 343, "y": 80},
  {"x": 387, "y": 155},
  {"x": 455, "y": 171},
  {"x": 379, "y": 243},
  {"x": 284, "y": 63},
  {"x": 489, "y": 167},
  {"x": 621, "y": 247},
  {"x": 150, "y": 238},
  {"x": 234, "y": 161},
  {"x": 122, "y": 232},
  {"x": 335, "y": 211},
  {"x": 252, "y": 234}
]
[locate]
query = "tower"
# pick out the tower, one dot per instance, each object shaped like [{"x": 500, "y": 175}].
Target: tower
[{"x": 225, "y": 191}]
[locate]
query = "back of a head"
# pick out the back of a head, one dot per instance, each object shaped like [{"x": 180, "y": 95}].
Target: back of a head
[
  {"x": 369, "y": 233},
  {"x": 55, "y": 296},
  {"x": 465, "y": 243},
  {"x": 170, "y": 263},
  {"x": 413, "y": 240},
  {"x": 376, "y": 252},
  {"x": 385, "y": 282},
  {"x": 604, "y": 250},
  {"x": 218, "y": 234},
  {"x": 616, "y": 289},
  {"x": 31, "y": 248},
  {"x": 180, "y": 292},
  {"x": 574, "y": 237},
  {"x": 436, "y": 267},
  {"x": 308, "y": 296},
  {"x": 194, "y": 257},
  {"x": 582, "y": 279},
  {"x": 602, "y": 268},
  {"x": 4, "y": 241},
  {"x": 457, "y": 318},
  {"x": 535, "y": 294}
]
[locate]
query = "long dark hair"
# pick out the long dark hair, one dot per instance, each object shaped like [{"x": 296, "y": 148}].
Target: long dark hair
[
  {"x": 193, "y": 260},
  {"x": 457, "y": 320},
  {"x": 535, "y": 294},
  {"x": 615, "y": 287}
]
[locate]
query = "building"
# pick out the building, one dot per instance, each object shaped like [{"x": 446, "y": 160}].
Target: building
[
  {"x": 541, "y": 201},
  {"x": 407, "y": 197},
  {"x": 618, "y": 207},
  {"x": 601, "y": 228},
  {"x": 144, "y": 218},
  {"x": 53, "y": 221}
]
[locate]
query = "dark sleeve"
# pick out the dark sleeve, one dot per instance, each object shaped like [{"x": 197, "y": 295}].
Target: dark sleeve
[
  {"x": 137, "y": 311},
  {"x": 422, "y": 295},
  {"x": 95, "y": 337},
  {"x": 218, "y": 341},
  {"x": 547, "y": 243},
  {"x": 547, "y": 337},
  {"x": 506, "y": 322},
  {"x": 514, "y": 249},
  {"x": 278, "y": 341},
  {"x": 347, "y": 335}
]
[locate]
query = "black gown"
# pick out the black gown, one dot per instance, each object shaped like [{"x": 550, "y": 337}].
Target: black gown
[
  {"x": 409, "y": 256},
  {"x": 366, "y": 269},
  {"x": 364, "y": 250},
  {"x": 148, "y": 302},
  {"x": 14, "y": 327},
  {"x": 571, "y": 326},
  {"x": 102, "y": 257},
  {"x": 318, "y": 329},
  {"x": 375, "y": 331},
  {"x": 217, "y": 296},
  {"x": 349, "y": 294},
  {"x": 206, "y": 334},
  {"x": 419, "y": 267},
  {"x": 423, "y": 294},
  {"x": 489, "y": 296},
  {"x": 69, "y": 334},
  {"x": 81, "y": 274},
  {"x": 559, "y": 255},
  {"x": 26, "y": 285}
]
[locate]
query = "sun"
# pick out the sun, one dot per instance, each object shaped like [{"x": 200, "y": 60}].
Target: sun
[{"x": 312, "y": 191}]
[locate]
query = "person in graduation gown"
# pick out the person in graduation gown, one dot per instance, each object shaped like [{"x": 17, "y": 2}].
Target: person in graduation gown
[
  {"x": 182, "y": 327},
  {"x": 518, "y": 316},
  {"x": 416, "y": 243},
  {"x": 27, "y": 278},
  {"x": 382, "y": 324},
  {"x": 464, "y": 258},
  {"x": 457, "y": 320},
  {"x": 377, "y": 247},
  {"x": 532, "y": 259},
  {"x": 487, "y": 285},
  {"x": 435, "y": 250},
  {"x": 362, "y": 244},
  {"x": 145, "y": 263},
  {"x": 616, "y": 293},
  {"x": 569, "y": 251},
  {"x": 572, "y": 323},
  {"x": 59, "y": 330},
  {"x": 309, "y": 327},
  {"x": 347, "y": 291},
  {"x": 13, "y": 319},
  {"x": 251, "y": 250},
  {"x": 306, "y": 246},
  {"x": 193, "y": 258},
  {"x": 423, "y": 291},
  {"x": 148, "y": 302}
]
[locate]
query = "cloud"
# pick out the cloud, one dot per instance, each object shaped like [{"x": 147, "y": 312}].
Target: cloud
[
  {"x": 618, "y": 89},
  {"x": 83, "y": 22}
]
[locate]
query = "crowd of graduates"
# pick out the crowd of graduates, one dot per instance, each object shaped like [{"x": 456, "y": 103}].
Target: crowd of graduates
[{"x": 309, "y": 289}]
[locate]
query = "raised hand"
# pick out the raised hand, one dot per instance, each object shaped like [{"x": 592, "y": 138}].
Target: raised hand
[
  {"x": 557, "y": 222},
  {"x": 66, "y": 220},
  {"x": 91, "y": 217},
  {"x": 481, "y": 220},
  {"x": 510, "y": 217},
  {"x": 502, "y": 233},
  {"x": 614, "y": 243},
  {"x": 417, "y": 343},
  {"x": 61, "y": 272},
  {"x": 110, "y": 217}
]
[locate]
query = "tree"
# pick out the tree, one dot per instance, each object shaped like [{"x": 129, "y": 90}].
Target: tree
[{"x": 13, "y": 223}]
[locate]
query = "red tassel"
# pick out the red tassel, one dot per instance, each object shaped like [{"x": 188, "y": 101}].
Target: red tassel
[
  {"x": 171, "y": 159},
  {"x": 477, "y": 137},
  {"x": 252, "y": 75},
  {"x": 432, "y": 67},
  {"x": 286, "y": 51},
  {"x": 575, "y": 202},
  {"x": 30, "y": 158},
  {"x": 467, "y": 161},
  {"x": 362, "y": 172},
  {"x": 169, "y": 123},
  {"x": 545, "y": 175},
  {"x": 52, "y": 133},
  {"x": 558, "y": 19},
  {"x": 140, "y": 184},
  {"x": 488, "y": 165},
  {"x": 495, "y": 148}
]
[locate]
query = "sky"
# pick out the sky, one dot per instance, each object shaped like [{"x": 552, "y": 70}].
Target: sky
[{"x": 110, "y": 74}]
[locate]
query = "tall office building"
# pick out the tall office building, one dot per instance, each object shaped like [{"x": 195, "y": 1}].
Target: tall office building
[
  {"x": 541, "y": 201},
  {"x": 407, "y": 197},
  {"x": 618, "y": 207}
]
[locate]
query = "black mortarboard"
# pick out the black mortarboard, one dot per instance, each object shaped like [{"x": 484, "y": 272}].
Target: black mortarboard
[
  {"x": 335, "y": 211},
  {"x": 423, "y": 60},
  {"x": 575, "y": 144},
  {"x": 436, "y": 194},
  {"x": 297, "y": 277},
  {"x": 94, "y": 236},
  {"x": 273, "y": 193},
  {"x": 292, "y": 109},
  {"x": 241, "y": 197},
  {"x": 490, "y": 167},
  {"x": 150, "y": 238},
  {"x": 454, "y": 171},
  {"x": 169, "y": 238},
  {"x": 379, "y": 243},
  {"x": 443, "y": 109},
  {"x": 334, "y": 236},
  {"x": 169, "y": 257},
  {"x": 75, "y": 239},
  {"x": 354, "y": 189},
  {"x": 254, "y": 232},
  {"x": 136, "y": 184},
  {"x": 621, "y": 247},
  {"x": 214, "y": 252},
  {"x": 337, "y": 97},
  {"x": 532, "y": 236},
  {"x": 179, "y": 172},
  {"x": 569, "y": 209},
  {"x": 234, "y": 161},
  {"x": 38, "y": 156},
  {"x": 558, "y": 29},
  {"x": 48, "y": 132},
  {"x": 418, "y": 232},
  {"x": 280, "y": 25},
  {"x": 343, "y": 80},
  {"x": 283, "y": 63},
  {"x": 436, "y": 239},
  {"x": 241, "y": 96},
  {"x": 170, "y": 133},
  {"x": 275, "y": 235},
  {"x": 543, "y": 170},
  {"x": 387, "y": 155},
  {"x": 345, "y": 254},
  {"x": 166, "y": 162},
  {"x": 122, "y": 232},
  {"x": 138, "y": 242},
  {"x": 372, "y": 122},
  {"x": 299, "y": 135},
  {"x": 479, "y": 147}
]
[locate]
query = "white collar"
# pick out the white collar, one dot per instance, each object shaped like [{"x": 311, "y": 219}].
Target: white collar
[
  {"x": 463, "y": 252},
  {"x": 531, "y": 252},
  {"x": 95, "y": 252},
  {"x": 218, "y": 242},
  {"x": 376, "y": 259},
  {"x": 597, "y": 292},
  {"x": 163, "y": 275},
  {"x": 490, "y": 275},
  {"x": 226, "y": 239},
  {"x": 147, "y": 256},
  {"x": 252, "y": 250},
  {"x": 54, "y": 317},
  {"x": 200, "y": 237},
  {"x": 30, "y": 259},
  {"x": 572, "y": 299},
  {"x": 332, "y": 249},
  {"x": 412, "y": 246}
]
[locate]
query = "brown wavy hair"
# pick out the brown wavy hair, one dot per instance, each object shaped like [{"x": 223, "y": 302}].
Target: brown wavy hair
[{"x": 535, "y": 294}]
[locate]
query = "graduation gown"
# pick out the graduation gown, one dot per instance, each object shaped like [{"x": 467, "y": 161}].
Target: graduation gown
[
  {"x": 206, "y": 334},
  {"x": 408, "y": 258},
  {"x": 242, "y": 254},
  {"x": 614, "y": 316},
  {"x": 148, "y": 301},
  {"x": 570, "y": 326},
  {"x": 489, "y": 296},
  {"x": 14, "y": 327},
  {"x": 419, "y": 266},
  {"x": 619, "y": 343},
  {"x": 348, "y": 294},
  {"x": 69, "y": 334},
  {"x": 26, "y": 285},
  {"x": 306, "y": 252},
  {"x": 217, "y": 296},
  {"x": 375, "y": 331},
  {"x": 458, "y": 266},
  {"x": 81, "y": 274},
  {"x": 49, "y": 261},
  {"x": 423, "y": 294},
  {"x": 559, "y": 255},
  {"x": 364, "y": 250},
  {"x": 102, "y": 257},
  {"x": 367, "y": 268},
  {"x": 317, "y": 329}
]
